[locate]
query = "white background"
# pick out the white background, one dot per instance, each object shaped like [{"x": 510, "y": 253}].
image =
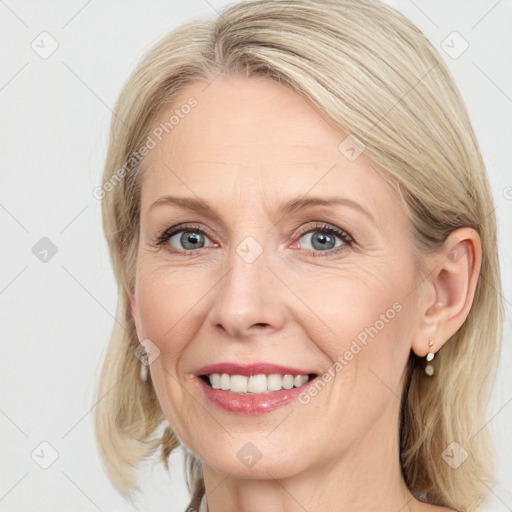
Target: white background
[{"x": 57, "y": 316}]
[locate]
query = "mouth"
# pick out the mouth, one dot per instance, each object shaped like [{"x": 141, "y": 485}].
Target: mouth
[
  {"x": 253, "y": 389},
  {"x": 257, "y": 384}
]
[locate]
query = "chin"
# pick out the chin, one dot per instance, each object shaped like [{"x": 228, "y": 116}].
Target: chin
[{"x": 254, "y": 457}]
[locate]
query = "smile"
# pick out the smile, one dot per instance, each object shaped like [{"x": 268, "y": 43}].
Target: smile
[{"x": 251, "y": 389}]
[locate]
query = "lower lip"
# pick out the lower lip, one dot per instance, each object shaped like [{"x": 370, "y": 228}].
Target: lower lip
[{"x": 251, "y": 404}]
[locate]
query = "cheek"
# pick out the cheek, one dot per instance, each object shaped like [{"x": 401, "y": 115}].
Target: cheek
[
  {"x": 167, "y": 302},
  {"x": 359, "y": 319}
]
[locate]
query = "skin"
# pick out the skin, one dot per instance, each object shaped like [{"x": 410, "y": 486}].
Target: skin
[{"x": 248, "y": 146}]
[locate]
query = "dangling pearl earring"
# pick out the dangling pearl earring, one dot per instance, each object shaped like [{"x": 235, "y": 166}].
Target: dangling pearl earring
[{"x": 429, "y": 369}]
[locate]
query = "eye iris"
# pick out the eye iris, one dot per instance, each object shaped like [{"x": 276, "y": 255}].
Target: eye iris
[
  {"x": 320, "y": 240},
  {"x": 190, "y": 240},
  {"x": 324, "y": 239}
]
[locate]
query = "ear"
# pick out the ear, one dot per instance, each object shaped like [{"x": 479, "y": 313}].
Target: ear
[
  {"x": 448, "y": 291},
  {"x": 135, "y": 315}
]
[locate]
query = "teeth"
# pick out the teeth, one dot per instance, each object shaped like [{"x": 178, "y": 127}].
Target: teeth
[
  {"x": 224, "y": 381},
  {"x": 274, "y": 382},
  {"x": 215, "y": 381},
  {"x": 256, "y": 383},
  {"x": 288, "y": 382},
  {"x": 299, "y": 380},
  {"x": 238, "y": 384}
]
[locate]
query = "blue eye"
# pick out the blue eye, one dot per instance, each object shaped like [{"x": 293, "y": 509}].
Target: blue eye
[
  {"x": 189, "y": 238},
  {"x": 325, "y": 239},
  {"x": 321, "y": 240}
]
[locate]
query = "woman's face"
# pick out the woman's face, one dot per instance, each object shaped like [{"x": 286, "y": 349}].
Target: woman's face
[{"x": 268, "y": 275}]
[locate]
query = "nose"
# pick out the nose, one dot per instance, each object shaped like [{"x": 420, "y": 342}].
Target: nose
[{"x": 247, "y": 300}]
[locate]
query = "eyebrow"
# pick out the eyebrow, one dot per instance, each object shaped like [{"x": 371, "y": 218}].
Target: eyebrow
[{"x": 290, "y": 206}]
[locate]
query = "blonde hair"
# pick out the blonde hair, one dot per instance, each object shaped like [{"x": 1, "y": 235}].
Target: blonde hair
[{"x": 375, "y": 75}]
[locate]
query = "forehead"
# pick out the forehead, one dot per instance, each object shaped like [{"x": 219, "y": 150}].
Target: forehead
[{"x": 249, "y": 137}]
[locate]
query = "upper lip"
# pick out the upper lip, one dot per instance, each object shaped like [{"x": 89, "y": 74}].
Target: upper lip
[{"x": 250, "y": 369}]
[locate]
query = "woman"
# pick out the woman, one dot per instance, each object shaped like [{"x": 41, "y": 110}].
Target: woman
[{"x": 330, "y": 339}]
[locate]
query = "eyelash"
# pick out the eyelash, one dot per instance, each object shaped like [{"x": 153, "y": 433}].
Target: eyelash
[{"x": 347, "y": 239}]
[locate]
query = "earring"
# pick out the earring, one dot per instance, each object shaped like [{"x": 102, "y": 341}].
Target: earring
[
  {"x": 429, "y": 369},
  {"x": 144, "y": 364}
]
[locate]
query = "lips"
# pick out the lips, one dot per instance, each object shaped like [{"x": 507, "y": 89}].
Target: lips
[{"x": 247, "y": 403}]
